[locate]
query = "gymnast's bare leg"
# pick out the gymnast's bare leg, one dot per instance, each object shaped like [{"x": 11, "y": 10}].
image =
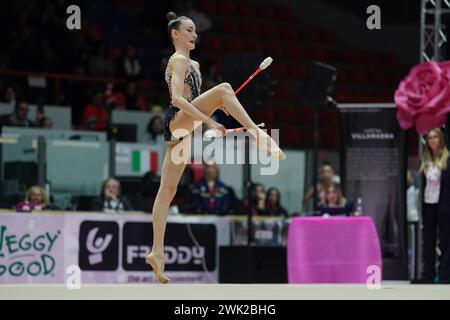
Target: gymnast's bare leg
[{"x": 190, "y": 116}]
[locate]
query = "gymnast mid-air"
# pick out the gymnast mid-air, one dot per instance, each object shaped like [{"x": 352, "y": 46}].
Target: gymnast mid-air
[{"x": 189, "y": 109}]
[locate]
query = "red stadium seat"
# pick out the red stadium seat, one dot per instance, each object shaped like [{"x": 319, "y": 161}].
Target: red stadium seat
[
  {"x": 297, "y": 72},
  {"x": 284, "y": 13},
  {"x": 290, "y": 31},
  {"x": 286, "y": 113},
  {"x": 212, "y": 44},
  {"x": 253, "y": 45},
  {"x": 282, "y": 91},
  {"x": 232, "y": 45},
  {"x": 274, "y": 49},
  {"x": 226, "y": 7},
  {"x": 329, "y": 117},
  {"x": 279, "y": 71},
  {"x": 305, "y": 114},
  {"x": 230, "y": 26},
  {"x": 265, "y": 11},
  {"x": 246, "y": 10},
  {"x": 269, "y": 30},
  {"x": 294, "y": 51},
  {"x": 250, "y": 29},
  {"x": 309, "y": 34},
  {"x": 206, "y": 6}
]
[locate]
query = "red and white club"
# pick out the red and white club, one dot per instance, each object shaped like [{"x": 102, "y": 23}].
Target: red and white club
[
  {"x": 267, "y": 62},
  {"x": 211, "y": 133}
]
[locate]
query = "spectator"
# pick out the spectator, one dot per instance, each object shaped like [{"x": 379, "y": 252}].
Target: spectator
[
  {"x": 435, "y": 168},
  {"x": 256, "y": 204},
  {"x": 210, "y": 195},
  {"x": 185, "y": 191},
  {"x": 18, "y": 118},
  {"x": 111, "y": 200},
  {"x": 335, "y": 199},
  {"x": 130, "y": 66},
  {"x": 155, "y": 130},
  {"x": 96, "y": 115},
  {"x": 36, "y": 199},
  {"x": 114, "y": 98},
  {"x": 133, "y": 100},
  {"x": 45, "y": 123},
  {"x": 10, "y": 95},
  {"x": 99, "y": 63},
  {"x": 326, "y": 177},
  {"x": 273, "y": 203}
]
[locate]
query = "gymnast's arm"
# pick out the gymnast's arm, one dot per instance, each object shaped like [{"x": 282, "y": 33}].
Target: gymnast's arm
[{"x": 180, "y": 65}]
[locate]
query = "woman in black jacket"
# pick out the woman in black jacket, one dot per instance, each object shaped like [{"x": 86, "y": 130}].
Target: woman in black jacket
[{"x": 435, "y": 168}]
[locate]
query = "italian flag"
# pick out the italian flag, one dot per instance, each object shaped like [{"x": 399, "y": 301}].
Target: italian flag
[{"x": 143, "y": 161}]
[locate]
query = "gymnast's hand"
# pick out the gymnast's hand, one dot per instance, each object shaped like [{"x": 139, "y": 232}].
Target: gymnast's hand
[{"x": 221, "y": 130}]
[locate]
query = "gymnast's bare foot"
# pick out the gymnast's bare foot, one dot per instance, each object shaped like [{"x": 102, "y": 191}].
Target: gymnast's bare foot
[
  {"x": 266, "y": 143},
  {"x": 157, "y": 263}
]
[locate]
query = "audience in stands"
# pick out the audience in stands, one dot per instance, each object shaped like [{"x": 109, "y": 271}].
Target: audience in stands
[
  {"x": 326, "y": 177},
  {"x": 155, "y": 131},
  {"x": 130, "y": 66},
  {"x": 110, "y": 199},
  {"x": 100, "y": 63},
  {"x": 211, "y": 195},
  {"x": 133, "y": 100},
  {"x": 202, "y": 22},
  {"x": 36, "y": 199},
  {"x": 273, "y": 203},
  {"x": 95, "y": 114},
  {"x": 256, "y": 204},
  {"x": 18, "y": 118},
  {"x": 45, "y": 123},
  {"x": 335, "y": 199},
  {"x": 10, "y": 95}
]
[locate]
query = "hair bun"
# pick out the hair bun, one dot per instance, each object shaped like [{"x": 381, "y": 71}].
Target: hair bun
[{"x": 171, "y": 15}]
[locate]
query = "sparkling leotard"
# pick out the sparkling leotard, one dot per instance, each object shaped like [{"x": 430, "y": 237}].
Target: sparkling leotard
[{"x": 192, "y": 85}]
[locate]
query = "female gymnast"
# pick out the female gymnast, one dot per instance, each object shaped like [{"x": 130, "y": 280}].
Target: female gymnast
[{"x": 188, "y": 110}]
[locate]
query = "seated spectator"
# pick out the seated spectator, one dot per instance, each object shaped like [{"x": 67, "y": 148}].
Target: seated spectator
[
  {"x": 36, "y": 199},
  {"x": 155, "y": 130},
  {"x": 133, "y": 100},
  {"x": 96, "y": 115},
  {"x": 111, "y": 200},
  {"x": 10, "y": 95},
  {"x": 210, "y": 195},
  {"x": 18, "y": 118},
  {"x": 326, "y": 177},
  {"x": 185, "y": 191},
  {"x": 335, "y": 199},
  {"x": 130, "y": 66},
  {"x": 273, "y": 205},
  {"x": 114, "y": 98},
  {"x": 45, "y": 123},
  {"x": 256, "y": 204}
]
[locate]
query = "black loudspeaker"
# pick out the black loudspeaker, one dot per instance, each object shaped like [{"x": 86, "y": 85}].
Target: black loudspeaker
[
  {"x": 319, "y": 84},
  {"x": 242, "y": 264}
]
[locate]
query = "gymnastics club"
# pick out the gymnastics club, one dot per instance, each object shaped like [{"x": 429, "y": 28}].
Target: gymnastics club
[
  {"x": 267, "y": 62},
  {"x": 211, "y": 133}
]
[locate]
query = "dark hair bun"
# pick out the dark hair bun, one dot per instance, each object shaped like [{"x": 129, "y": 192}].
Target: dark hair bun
[{"x": 171, "y": 15}]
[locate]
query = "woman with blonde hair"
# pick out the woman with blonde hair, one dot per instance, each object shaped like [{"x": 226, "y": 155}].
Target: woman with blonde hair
[
  {"x": 36, "y": 199},
  {"x": 436, "y": 206}
]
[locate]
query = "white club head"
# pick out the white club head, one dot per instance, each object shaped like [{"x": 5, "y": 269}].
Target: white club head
[{"x": 267, "y": 61}]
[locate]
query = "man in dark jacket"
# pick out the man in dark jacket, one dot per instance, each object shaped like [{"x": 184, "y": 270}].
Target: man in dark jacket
[
  {"x": 18, "y": 118},
  {"x": 110, "y": 199}
]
